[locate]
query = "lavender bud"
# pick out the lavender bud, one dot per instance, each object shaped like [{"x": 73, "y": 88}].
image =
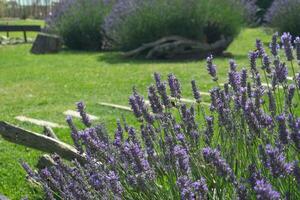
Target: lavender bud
[
  {"x": 282, "y": 129},
  {"x": 259, "y": 47},
  {"x": 196, "y": 92},
  {"x": 213, "y": 157},
  {"x": 272, "y": 103},
  {"x": 252, "y": 58},
  {"x": 211, "y": 68},
  {"x": 209, "y": 129},
  {"x": 175, "y": 86},
  {"x": 232, "y": 65},
  {"x": 264, "y": 191},
  {"x": 291, "y": 93},
  {"x": 85, "y": 118},
  {"x": 244, "y": 77},
  {"x": 183, "y": 158},
  {"x": 276, "y": 162},
  {"x": 297, "y": 47},
  {"x": 135, "y": 107},
  {"x": 154, "y": 100},
  {"x": 274, "y": 46},
  {"x": 266, "y": 64},
  {"x": 298, "y": 80},
  {"x": 281, "y": 71},
  {"x": 296, "y": 172},
  {"x": 286, "y": 40}
]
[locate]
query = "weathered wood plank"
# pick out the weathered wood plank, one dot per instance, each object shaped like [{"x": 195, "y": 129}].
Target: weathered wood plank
[
  {"x": 37, "y": 141},
  {"x": 39, "y": 122},
  {"x": 77, "y": 115}
]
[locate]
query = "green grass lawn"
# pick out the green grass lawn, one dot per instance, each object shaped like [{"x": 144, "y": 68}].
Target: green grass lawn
[{"x": 43, "y": 86}]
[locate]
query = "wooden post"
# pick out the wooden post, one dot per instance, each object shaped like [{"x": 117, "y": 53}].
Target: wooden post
[
  {"x": 25, "y": 36},
  {"x": 37, "y": 141}
]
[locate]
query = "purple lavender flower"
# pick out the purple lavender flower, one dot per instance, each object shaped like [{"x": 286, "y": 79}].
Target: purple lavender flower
[
  {"x": 296, "y": 171},
  {"x": 162, "y": 90},
  {"x": 286, "y": 40},
  {"x": 213, "y": 157},
  {"x": 274, "y": 46},
  {"x": 232, "y": 65},
  {"x": 281, "y": 71},
  {"x": 252, "y": 58},
  {"x": 274, "y": 160},
  {"x": 209, "y": 129},
  {"x": 85, "y": 118},
  {"x": 192, "y": 190},
  {"x": 174, "y": 85},
  {"x": 196, "y": 92},
  {"x": 291, "y": 93},
  {"x": 183, "y": 158},
  {"x": 135, "y": 107},
  {"x": 118, "y": 135},
  {"x": 260, "y": 48},
  {"x": 74, "y": 134},
  {"x": 297, "y": 47},
  {"x": 154, "y": 100},
  {"x": 282, "y": 129},
  {"x": 264, "y": 191},
  {"x": 115, "y": 184},
  {"x": 272, "y": 103},
  {"x": 266, "y": 64},
  {"x": 200, "y": 188},
  {"x": 294, "y": 125},
  {"x": 211, "y": 68},
  {"x": 244, "y": 77}
]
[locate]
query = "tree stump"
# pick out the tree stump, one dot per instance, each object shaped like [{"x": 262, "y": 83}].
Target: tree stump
[{"x": 46, "y": 43}]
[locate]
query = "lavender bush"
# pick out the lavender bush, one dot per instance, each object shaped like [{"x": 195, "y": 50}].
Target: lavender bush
[
  {"x": 78, "y": 22},
  {"x": 245, "y": 146},
  {"x": 133, "y": 23},
  {"x": 284, "y": 16}
]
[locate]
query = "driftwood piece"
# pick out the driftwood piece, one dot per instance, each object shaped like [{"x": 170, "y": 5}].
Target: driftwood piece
[
  {"x": 37, "y": 141},
  {"x": 179, "y": 47},
  {"x": 48, "y": 131}
]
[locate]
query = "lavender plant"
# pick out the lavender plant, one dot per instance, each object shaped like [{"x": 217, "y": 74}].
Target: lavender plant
[
  {"x": 246, "y": 146},
  {"x": 133, "y": 22},
  {"x": 78, "y": 22},
  {"x": 284, "y": 16}
]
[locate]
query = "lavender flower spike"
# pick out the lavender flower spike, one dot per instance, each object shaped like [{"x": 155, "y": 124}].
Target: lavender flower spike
[
  {"x": 259, "y": 47},
  {"x": 264, "y": 191},
  {"x": 274, "y": 46},
  {"x": 85, "y": 118},
  {"x": 196, "y": 92},
  {"x": 286, "y": 40},
  {"x": 175, "y": 86},
  {"x": 283, "y": 131},
  {"x": 211, "y": 68},
  {"x": 297, "y": 47},
  {"x": 213, "y": 156}
]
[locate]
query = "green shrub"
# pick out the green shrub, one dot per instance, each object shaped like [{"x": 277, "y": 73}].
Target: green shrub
[
  {"x": 132, "y": 23},
  {"x": 79, "y": 23},
  {"x": 284, "y": 15}
]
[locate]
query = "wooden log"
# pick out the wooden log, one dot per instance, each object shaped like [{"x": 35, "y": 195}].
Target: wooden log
[
  {"x": 179, "y": 47},
  {"x": 48, "y": 131},
  {"x": 37, "y": 141}
]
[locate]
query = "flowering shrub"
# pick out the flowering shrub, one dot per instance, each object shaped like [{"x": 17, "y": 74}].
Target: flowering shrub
[
  {"x": 284, "y": 16},
  {"x": 78, "y": 22},
  {"x": 133, "y": 23},
  {"x": 246, "y": 146}
]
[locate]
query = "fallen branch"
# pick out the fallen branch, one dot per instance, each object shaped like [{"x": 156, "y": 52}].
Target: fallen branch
[{"x": 37, "y": 141}]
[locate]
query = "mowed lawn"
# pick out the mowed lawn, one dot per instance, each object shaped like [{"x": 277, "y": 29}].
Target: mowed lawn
[{"x": 44, "y": 86}]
